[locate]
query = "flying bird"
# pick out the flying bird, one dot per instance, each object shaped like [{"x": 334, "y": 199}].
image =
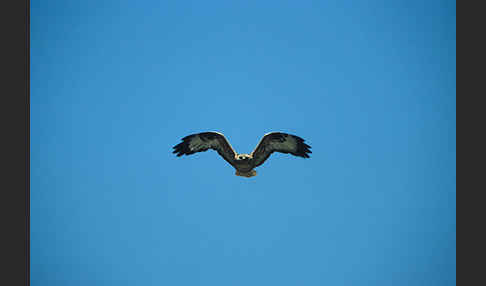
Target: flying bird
[{"x": 243, "y": 163}]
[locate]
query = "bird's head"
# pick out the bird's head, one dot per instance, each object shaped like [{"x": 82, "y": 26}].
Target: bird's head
[{"x": 243, "y": 157}]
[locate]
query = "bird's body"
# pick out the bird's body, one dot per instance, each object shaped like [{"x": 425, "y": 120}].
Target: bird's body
[{"x": 243, "y": 163}]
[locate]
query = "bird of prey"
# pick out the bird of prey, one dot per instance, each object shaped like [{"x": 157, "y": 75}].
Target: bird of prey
[{"x": 243, "y": 163}]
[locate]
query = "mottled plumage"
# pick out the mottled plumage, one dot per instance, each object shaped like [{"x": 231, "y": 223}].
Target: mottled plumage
[{"x": 243, "y": 163}]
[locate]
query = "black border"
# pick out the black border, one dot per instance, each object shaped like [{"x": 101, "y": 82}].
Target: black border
[
  {"x": 470, "y": 145},
  {"x": 27, "y": 141},
  {"x": 15, "y": 139}
]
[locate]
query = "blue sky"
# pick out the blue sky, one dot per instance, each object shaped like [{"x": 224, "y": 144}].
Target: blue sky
[{"x": 370, "y": 85}]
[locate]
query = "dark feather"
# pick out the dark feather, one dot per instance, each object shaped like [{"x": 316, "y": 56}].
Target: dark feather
[
  {"x": 204, "y": 141},
  {"x": 279, "y": 142}
]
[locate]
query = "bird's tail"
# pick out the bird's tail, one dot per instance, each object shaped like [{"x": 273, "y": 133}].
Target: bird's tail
[{"x": 250, "y": 174}]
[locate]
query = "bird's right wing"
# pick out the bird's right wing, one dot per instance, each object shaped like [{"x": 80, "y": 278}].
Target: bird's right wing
[
  {"x": 201, "y": 142},
  {"x": 279, "y": 142}
]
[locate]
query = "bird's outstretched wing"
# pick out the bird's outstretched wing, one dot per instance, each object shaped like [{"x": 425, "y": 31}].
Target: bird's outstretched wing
[
  {"x": 202, "y": 142},
  {"x": 279, "y": 142}
]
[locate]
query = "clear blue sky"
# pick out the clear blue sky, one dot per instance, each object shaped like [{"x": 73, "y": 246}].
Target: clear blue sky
[{"x": 370, "y": 85}]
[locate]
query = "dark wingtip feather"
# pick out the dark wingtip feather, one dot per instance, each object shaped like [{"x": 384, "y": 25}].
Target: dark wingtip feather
[
  {"x": 183, "y": 147},
  {"x": 303, "y": 149}
]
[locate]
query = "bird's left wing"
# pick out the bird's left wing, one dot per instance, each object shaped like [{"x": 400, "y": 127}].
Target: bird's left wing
[
  {"x": 279, "y": 142},
  {"x": 201, "y": 142}
]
